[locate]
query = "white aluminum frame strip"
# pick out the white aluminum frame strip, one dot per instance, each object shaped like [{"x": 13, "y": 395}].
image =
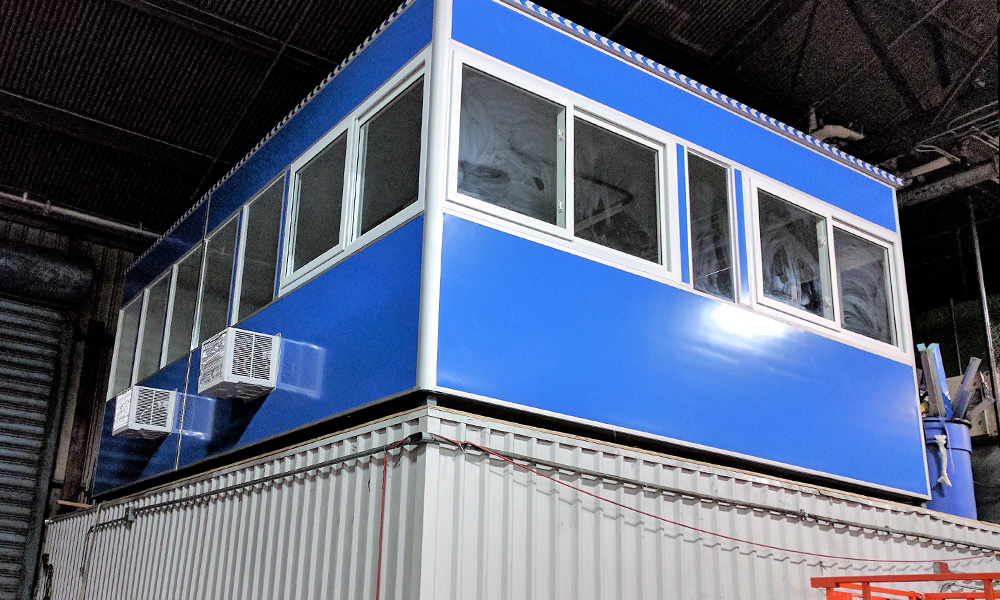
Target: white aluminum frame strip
[{"x": 460, "y": 524}]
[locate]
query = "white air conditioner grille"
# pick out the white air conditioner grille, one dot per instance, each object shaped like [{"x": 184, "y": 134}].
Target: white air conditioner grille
[
  {"x": 152, "y": 407},
  {"x": 261, "y": 367},
  {"x": 123, "y": 405},
  {"x": 239, "y": 364},
  {"x": 243, "y": 353}
]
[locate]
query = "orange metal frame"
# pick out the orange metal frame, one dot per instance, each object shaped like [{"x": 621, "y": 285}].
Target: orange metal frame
[{"x": 848, "y": 586}]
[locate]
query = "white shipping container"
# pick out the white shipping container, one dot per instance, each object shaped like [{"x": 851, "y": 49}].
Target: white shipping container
[{"x": 459, "y": 524}]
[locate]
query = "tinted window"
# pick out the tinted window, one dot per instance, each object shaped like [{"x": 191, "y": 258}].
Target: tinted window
[
  {"x": 185, "y": 303},
  {"x": 219, "y": 253},
  {"x": 128, "y": 334},
  {"x": 509, "y": 147},
  {"x": 615, "y": 191},
  {"x": 711, "y": 243},
  {"x": 391, "y": 168},
  {"x": 794, "y": 260},
  {"x": 260, "y": 256},
  {"x": 152, "y": 331},
  {"x": 863, "y": 273},
  {"x": 319, "y": 189}
]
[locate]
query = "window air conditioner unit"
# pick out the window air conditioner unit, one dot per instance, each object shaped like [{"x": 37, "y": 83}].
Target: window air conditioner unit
[
  {"x": 238, "y": 364},
  {"x": 144, "y": 412}
]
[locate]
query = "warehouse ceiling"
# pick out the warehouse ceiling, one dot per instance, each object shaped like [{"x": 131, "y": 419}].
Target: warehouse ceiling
[{"x": 132, "y": 109}]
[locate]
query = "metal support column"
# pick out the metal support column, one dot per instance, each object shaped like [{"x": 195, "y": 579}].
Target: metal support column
[{"x": 982, "y": 298}]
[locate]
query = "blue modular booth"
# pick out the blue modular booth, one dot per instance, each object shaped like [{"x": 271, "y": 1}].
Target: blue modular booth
[{"x": 487, "y": 201}]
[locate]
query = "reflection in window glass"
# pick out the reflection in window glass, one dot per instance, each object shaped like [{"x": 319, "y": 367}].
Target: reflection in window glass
[
  {"x": 260, "y": 257},
  {"x": 219, "y": 252},
  {"x": 152, "y": 331},
  {"x": 320, "y": 189},
  {"x": 711, "y": 243},
  {"x": 128, "y": 334},
  {"x": 508, "y": 147},
  {"x": 391, "y": 158},
  {"x": 185, "y": 303},
  {"x": 614, "y": 191},
  {"x": 865, "y": 300},
  {"x": 795, "y": 265}
]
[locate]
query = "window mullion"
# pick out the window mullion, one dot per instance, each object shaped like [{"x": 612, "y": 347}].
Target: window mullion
[
  {"x": 566, "y": 170},
  {"x": 834, "y": 276}
]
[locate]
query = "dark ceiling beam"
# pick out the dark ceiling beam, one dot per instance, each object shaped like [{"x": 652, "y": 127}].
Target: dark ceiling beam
[
  {"x": 899, "y": 80},
  {"x": 960, "y": 84},
  {"x": 231, "y": 33},
  {"x": 674, "y": 54},
  {"x": 901, "y": 137},
  {"x": 765, "y": 23},
  {"x": 46, "y": 116}
]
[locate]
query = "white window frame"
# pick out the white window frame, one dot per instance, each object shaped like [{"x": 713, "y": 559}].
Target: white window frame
[
  {"x": 241, "y": 246},
  {"x": 349, "y": 240},
  {"x": 140, "y": 297},
  {"x": 834, "y": 217},
  {"x": 196, "y": 330},
  {"x": 734, "y": 246},
  {"x": 289, "y": 275},
  {"x": 892, "y": 287},
  {"x": 174, "y": 269},
  {"x": 142, "y": 323},
  {"x": 574, "y": 106}
]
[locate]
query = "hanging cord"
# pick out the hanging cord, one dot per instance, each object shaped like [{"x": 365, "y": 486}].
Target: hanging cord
[
  {"x": 381, "y": 516},
  {"x": 463, "y": 444}
]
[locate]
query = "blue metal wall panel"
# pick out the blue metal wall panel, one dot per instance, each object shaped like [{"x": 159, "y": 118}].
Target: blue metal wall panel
[
  {"x": 528, "y": 44},
  {"x": 349, "y": 337},
  {"x": 185, "y": 236},
  {"x": 533, "y": 325},
  {"x": 122, "y": 460},
  {"x": 357, "y": 320},
  {"x": 389, "y": 52}
]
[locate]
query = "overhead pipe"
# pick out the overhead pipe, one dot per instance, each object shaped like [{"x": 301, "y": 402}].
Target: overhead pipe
[
  {"x": 970, "y": 177},
  {"x": 47, "y": 209},
  {"x": 838, "y": 132},
  {"x": 934, "y": 165}
]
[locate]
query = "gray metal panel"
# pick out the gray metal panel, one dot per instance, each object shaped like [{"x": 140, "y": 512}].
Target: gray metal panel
[
  {"x": 30, "y": 340},
  {"x": 497, "y": 531},
  {"x": 460, "y": 525},
  {"x": 311, "y": 535}
]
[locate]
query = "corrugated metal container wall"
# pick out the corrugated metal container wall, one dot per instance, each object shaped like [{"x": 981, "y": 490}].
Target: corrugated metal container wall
[
  {"x": 497, "y": 531},
  {"x": 461, "y": 525},
  {"x": 308, "y": 531}
]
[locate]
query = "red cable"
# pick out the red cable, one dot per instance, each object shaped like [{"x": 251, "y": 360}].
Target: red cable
[
  {"x": 691, "y": 527},
  {"x": 381, "y": 517}
]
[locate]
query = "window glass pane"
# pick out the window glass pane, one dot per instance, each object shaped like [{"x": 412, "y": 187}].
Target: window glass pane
[
  {"x": 796, "y": 267},
  {"x": 152, "y": 332},
  {"x": 128, "y": 333},
  {"x": 185, "y": 303},
  {"x": 508, "y": 147},
  {"x": 260, "y": 257},
  {"x": 392, "y": 158},
  {"x": 615, "y": 191},
  {"x": 865, "y": 300},
  {"x": 711, "y": 243},
  {"x": 219, "y": 252},
  {"x": 320, "y": 185}
]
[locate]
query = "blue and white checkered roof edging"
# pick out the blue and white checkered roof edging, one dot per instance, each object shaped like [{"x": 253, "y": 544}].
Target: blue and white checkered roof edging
[{"x": 701, "y": 89}]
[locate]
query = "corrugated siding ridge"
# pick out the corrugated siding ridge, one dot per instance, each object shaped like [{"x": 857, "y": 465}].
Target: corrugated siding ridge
[
  {"x": 319, "y": 88},
  {"x": 613, "y": 459}
]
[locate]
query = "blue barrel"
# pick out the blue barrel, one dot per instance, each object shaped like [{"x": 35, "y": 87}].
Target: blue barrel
[{"x": 959, "y": 498}]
